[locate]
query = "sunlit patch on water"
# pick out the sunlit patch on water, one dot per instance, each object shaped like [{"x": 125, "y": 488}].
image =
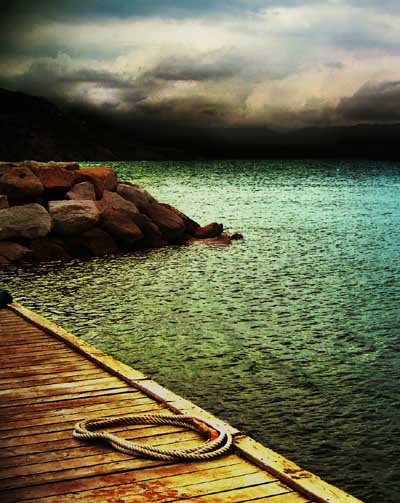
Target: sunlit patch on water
[{"x": 292, "y": 334}]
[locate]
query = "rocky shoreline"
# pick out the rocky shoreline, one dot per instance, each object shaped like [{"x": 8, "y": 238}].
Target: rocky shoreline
[{"x": 59, "y": 211}]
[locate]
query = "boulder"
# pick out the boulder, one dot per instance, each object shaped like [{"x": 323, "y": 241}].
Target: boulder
[
  {"x": 28, "y": 221},
  {"x": 3, "y": 202},
  {"x": 34, "y": 165},
  {"x": 171, "y": 225},
  {"x": 19, "y": 183},
  {"x": 98, "y": 242},
  {"x": 55, "y": 178},
  {"x": 82, "y": 191},
  {"x": 49, "y": 249},
  {"x": 209, "y": 231},
  {"x": 121, "y": 226},
  {"x": 151, "y": 233},
  {"x": 73, "y": 217},
  {"x": 190, "y": 225},
  {"x": 236, "y": 236},
  {"x": 111, "y": 203},
  {"x": 14, "y": 252},
  {"x": 136, "y": 194},
  {"x": 103, "y": 178}
]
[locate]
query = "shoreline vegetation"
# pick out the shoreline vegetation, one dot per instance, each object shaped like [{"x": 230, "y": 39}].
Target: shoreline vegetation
[{"x": 58, "y": 211}]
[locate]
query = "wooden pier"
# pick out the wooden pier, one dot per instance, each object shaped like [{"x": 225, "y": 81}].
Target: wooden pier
[{"x": 50, "y": 380}]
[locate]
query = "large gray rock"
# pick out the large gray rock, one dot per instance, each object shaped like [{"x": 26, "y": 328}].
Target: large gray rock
[
  {"x": 136, "y": 194},
  {"x": 171, "y": 225},
  {"x": 19, "y": 183},
  {"x": 82, "y": 191},
  {"x": 73, "y": 217},
  {"x": 28, "y": 221}
]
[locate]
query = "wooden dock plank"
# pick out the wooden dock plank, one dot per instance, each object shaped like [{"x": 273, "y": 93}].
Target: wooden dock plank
[{"x": 52, "y": 379}]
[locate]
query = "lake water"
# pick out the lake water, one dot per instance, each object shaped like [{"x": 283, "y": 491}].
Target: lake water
[{"x": 292, "y": 334}]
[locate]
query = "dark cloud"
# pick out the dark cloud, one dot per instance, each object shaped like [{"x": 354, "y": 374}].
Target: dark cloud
[
  {"x": 373, "y": 103},
  {"x": 62, "y": 9},
  {"x": 211, "y": 66}
]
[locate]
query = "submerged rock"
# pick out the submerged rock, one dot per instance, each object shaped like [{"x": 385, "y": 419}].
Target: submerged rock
[
  {"x": 28, "y": 221},
  {"x": 98, "y": 242},
  {"x": 209, "y": 231},
  {"x": 73, "y": 217},
  {"x": 49, "y": 249},
  {"x": 13, "y": 252}
]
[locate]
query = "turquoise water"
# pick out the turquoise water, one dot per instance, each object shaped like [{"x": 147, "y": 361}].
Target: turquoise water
[{"x": 292, "y": 334}]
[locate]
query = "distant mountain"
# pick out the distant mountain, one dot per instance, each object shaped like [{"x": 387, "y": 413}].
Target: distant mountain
[{"x": 34, "y": 128}]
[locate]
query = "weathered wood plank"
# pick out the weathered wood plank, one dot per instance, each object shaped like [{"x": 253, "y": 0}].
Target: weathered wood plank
[
  {"x": 53, "y": 368},
  {"x": 255, "y": 494},
  {"x": 32, "y": 478},
  {"x": 43, "y": 389},
  {"x": 87, "y": 392},
  {"x": 49, "y": 424},
  {"x": 50, "y": 378},
  {"x": 53, "y": 408},
  {"x": 169, "y": 476},
  {"x": 61, "y": 440},
  {"x": 127, "y": 399}
]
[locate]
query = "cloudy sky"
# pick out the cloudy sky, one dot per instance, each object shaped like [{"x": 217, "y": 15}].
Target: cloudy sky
[{"x": 279, "y": 63}]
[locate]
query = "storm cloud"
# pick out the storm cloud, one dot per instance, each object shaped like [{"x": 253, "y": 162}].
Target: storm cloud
[{"x": 282, "y": 64}]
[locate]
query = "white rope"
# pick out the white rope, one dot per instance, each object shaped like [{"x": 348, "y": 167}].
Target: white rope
[{"x": 219, "y": 442}]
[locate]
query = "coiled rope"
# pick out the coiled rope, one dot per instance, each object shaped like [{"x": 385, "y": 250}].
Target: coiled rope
[{"x": 218, "y": 443}]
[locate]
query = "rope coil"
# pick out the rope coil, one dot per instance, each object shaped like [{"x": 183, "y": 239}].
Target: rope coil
[{"x": 219, "y": 442}]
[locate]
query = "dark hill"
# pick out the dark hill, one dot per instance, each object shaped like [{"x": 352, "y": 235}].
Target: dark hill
[{"x": 34, "y": 128}]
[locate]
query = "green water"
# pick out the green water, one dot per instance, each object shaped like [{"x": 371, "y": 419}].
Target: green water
[{"x": 292, "y": 334}]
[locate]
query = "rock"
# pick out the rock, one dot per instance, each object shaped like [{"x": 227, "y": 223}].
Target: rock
[
  {"x": 82, "y": 191},
  {"x": 209, "y": 231},
  {"x": 112, "y": 202},
  {"x": 14, "y": 252},
  {"x": 98, "y": 242},
  {"x": 28, "y": 221},
  {"x": 55, "y": 178},
  {"x": 171, "y": 225},
  {"x": 103, "y": 178},
  {"x": 48, "y": 249},
  {"x": 122, "y": 227},
  {"x": 222, "y": 240},
  {"x": 190, "y": 225},
  {"x": 34, "y": 165},
  {"x": 151, "y": 233},
  {"x": 3, "y": 202},
  {"x": 236, "y": 236},
  {"x": 19, "y": 183},
  {"x": 136, "y": 194},
  {"x": 73, "y": 217}
]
